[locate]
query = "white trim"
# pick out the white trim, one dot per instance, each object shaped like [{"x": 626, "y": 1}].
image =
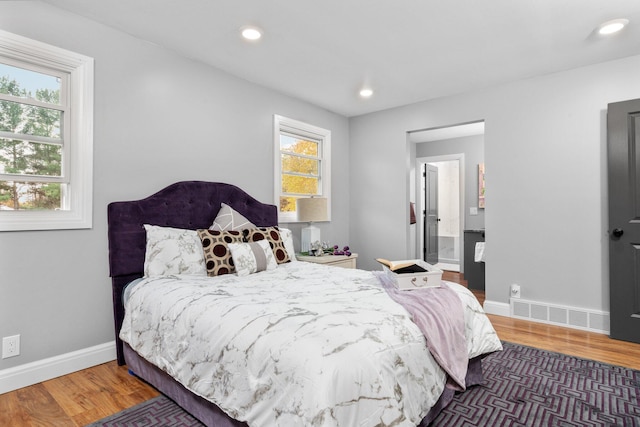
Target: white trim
[
  {"x": 597, "y": 320},
  {"x": 420, "y": 206},
  {"x": 297, "y": 127},
  {"x": 46, "y": 369},
  {"x": 497, "y": 308},
  {"x": 77, "y": 212},
  {"x": 584, "y": 319}
]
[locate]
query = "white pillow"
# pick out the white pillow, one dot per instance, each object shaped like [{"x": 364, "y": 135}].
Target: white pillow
[
  {"x": 173, "y": 251},
  {"x": 287, "y": 238},
  {"x": 228, "y": 219},
  {"x": 252, "y": 257}
]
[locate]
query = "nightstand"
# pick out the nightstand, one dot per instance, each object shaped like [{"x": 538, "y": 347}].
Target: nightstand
[{"x": 335, "y": 260}]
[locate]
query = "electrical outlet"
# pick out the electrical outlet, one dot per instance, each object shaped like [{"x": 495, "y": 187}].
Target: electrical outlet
[
  {"x": 10, "y": 346},
  {"x": 515, "y": 291}
]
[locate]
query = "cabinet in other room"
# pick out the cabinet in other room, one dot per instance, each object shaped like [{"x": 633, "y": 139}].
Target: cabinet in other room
[{"x": 473, "y": 271}]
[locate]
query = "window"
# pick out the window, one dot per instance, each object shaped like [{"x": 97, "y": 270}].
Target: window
[
  {"x": 46, "y": 136},
  {"x": 302, "y": 165}
]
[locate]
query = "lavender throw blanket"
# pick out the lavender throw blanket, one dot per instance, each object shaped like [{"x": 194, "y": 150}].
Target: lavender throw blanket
[{"x": 438, "y": 313}]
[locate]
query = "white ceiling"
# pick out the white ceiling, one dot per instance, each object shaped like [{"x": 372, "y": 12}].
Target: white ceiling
[{"x": 407, "y": 51}]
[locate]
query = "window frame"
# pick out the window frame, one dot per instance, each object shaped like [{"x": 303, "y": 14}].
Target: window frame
[
  {"x": 300, "y": 129},
  {"x": 77, "y": 144}
]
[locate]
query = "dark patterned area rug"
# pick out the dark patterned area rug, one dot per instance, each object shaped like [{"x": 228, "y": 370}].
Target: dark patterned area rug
[
  {"x": 523, "y": 386},
  {"x": 159, "y": 411}
]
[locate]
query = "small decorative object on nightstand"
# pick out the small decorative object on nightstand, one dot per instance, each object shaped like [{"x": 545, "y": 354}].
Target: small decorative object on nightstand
[
  {"x": 316, "y": 249},
  {"x": 334, "y": 260}
]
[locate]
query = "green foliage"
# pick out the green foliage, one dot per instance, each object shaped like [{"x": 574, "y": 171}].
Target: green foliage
[
  {"x": 22, "y": 157},
  {"x": 299, "y": 172}
]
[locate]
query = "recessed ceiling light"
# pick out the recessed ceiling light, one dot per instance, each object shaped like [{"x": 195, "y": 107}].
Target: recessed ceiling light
[
  {"x": 612, "y": 26},
  {"x": 251, "y": 33},
  {"x": 366, "y": 93}
]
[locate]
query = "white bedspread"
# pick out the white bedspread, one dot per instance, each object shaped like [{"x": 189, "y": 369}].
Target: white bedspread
[{"x": 302, "y": 345}]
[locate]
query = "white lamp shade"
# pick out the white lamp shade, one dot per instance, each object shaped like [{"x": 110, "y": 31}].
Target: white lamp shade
[{"x": 312, "y": 209}]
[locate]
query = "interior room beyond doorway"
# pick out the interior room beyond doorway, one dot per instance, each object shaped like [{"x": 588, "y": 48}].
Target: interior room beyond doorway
[
  {"x": 449, "y": 232},
  {"x": 463, "y": 145}
]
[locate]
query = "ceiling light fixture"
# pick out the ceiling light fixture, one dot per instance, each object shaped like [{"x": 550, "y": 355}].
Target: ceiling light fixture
[
  {"x": 612, "y": 26},
  {"x": 366, "y": 93},
  {"x": 251, "y": 33}
]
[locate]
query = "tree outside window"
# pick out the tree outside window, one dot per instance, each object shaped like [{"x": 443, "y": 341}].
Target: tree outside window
[
  {"x": 301, "y": 164},
  {"x": 31, "y": 147},
  {"x": 300, "y": 170},
  {"x": 46, "y": 136}
]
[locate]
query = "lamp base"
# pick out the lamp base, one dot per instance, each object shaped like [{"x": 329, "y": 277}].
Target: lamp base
[{"x": 309, "y": 235}]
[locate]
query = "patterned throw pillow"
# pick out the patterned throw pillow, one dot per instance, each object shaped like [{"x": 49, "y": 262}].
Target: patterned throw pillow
[
  {"x": 172, "y": 251},
  {"x": 230, "y": 219},
  {"x": 217, "y": 255},
  {"x": 253, "y": 257},
  {"x": 271, "y": 235}
]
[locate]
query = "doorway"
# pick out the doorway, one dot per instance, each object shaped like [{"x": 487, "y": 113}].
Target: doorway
[
  {"x": 462, "y": 143},
  {"x": 448, "y": 213},
  {"x": 441, "y": 206}
]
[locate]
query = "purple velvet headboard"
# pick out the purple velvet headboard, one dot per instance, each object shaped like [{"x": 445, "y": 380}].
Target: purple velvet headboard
[{"x": 187, "y": 204}]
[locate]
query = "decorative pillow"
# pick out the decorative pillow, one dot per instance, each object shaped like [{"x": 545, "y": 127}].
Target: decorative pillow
[
  {"x": 271, "y": 235},
  {"x": 253, "y": 257},
  {"x": 287, "y": 238},
  {"x": 172, "y": 251},
  {"x": 217, "y": 256},
  {"x": 230, "y": 219}
]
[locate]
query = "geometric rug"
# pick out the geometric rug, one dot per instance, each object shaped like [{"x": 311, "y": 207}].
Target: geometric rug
[
  {"x": 523, "y": 386},
  {"x": 159, "y": 411}
]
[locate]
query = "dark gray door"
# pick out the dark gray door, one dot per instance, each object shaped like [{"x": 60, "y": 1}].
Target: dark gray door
[
  {"x": 623, "y": 130},
  {"x": 431, "y": 214}
]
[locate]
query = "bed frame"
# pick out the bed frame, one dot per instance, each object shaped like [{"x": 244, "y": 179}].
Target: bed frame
[{"x": 189, "y": 205}]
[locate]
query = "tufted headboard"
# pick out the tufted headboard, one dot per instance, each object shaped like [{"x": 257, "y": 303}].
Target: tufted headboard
[{"x": 186, "y": 204}]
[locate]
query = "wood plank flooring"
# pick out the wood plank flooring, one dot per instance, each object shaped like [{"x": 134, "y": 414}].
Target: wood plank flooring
[
  {"x": 587, "y": 345},
  {"x": 74, "y": 400},
  {"x": 83, "y": 397}
]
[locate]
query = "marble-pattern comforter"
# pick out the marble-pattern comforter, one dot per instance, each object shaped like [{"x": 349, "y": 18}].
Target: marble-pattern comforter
[{"x": 301, "y": 345}]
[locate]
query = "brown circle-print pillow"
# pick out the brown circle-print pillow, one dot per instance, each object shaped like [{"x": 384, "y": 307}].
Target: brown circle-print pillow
[
  {"x": 272, "y": 235},
  {"x": 217, "y": 255}
]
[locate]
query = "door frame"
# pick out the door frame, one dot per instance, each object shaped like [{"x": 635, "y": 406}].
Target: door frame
[
  {"x": 430, "y": 176},
  {"x": 420, "y": 202}
]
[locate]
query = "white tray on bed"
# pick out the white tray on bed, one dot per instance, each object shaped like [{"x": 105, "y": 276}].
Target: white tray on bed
[{"x": 408, "y": 281}]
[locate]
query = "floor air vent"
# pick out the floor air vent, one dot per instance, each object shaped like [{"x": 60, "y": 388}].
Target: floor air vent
[{"x": 571, "y": 317}]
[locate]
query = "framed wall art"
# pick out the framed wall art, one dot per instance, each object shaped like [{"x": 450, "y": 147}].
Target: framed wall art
[{"x": 481, "y": 185}]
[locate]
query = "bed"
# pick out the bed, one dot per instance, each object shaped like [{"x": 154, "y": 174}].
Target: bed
[{"x": 295, "y": 344}]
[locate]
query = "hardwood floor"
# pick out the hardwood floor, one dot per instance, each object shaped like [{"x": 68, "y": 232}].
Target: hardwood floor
[
  {"x": 587, "y": 345},
  {"x": 86, "y": 396},
  {"x": 74, "y": 400}
]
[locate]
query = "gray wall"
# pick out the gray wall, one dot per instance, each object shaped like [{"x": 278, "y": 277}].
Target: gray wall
[
  {"x": 473, "y": 149},
  {"x": 545, "y": 157},
  {"x": 159, "y": 118}
]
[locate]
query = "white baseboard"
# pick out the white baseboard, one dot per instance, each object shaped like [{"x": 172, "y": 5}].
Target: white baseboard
[
  {"x": 561, "y": 315},
  {"x": 552, "y": 314},
  {"x": 52, "y": 367},
  {"x": 497, "y": 308},
  {"x": 46, "y": 369}
]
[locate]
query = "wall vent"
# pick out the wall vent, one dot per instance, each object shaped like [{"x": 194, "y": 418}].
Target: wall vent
[{"x": 571, "y": 317}]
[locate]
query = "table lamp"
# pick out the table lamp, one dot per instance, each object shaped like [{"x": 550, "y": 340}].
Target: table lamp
[{"x": 311, "y": 209}]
